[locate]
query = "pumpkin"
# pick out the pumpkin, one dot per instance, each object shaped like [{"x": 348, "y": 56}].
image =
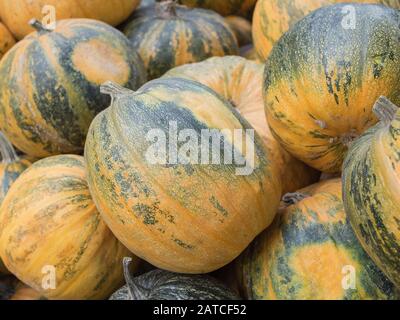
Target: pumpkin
[
  {"x": 371, "y": 184},
  {"x": 16, "y": 14},
  {"x": 6, "y": 40},
  {"x": 272, "y": 18},
  {"x": 232, "y": 7},
  {"x": 240, "y": 81},
  {"x": 241, "y": 28},
  {"x": 194, "y": 212},
  {"x": 51, "y": 230},
  {"x": 322, "y": 80},
  {"x": 249, "y": 53},
  {"x": 49, "y": 84},
  {"x": 23, "y": 292},
  {"x": 167, "y": 35},
  {"x": 163, "y": 285},
  {"x": 311, "y": 252}
]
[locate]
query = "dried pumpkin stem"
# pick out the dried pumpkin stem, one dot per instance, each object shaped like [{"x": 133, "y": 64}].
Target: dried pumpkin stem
[
  {"x": 7, "y": 151},
  {"x": 293, "y": 198},
  {"x": 136, "y": 291},
  {"x": 166, "y": 9},
  {"x": 38, "y": 26},
  {"x": 113, "y": 89},
  {"x": 385, "y": 110}
]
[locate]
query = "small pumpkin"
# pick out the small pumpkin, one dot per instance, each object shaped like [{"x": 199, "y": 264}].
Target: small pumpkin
[
  {"x": 371, "y": 184},
  {"x": 226, "y": 8},
  {"x": 49, "y": 84},
  {"x": 240, "y": 82},
  {"x": 322, "y": 80},
  {"x": 16, "y": 14},
  {"x": 311, "y": 252},
  {"x": 272, "y": 18},
  {"x": 167, "y": 35},
  {"x": 241, "y": 28},
  {"x": 6, "y": 40},
  {"x": 49, "y": 223},
  {"x": 163, "y": 285},
  {"x": 194, "y": 216}
]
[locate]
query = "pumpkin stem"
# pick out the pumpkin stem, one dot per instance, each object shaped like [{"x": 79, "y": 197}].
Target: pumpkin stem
[
  {"x": 136, "y": 291},
  {"x": 38, "y": 26},
  {"x": 385, "y": 110},
  {"x": 113, "y": 89},
  {"x": 7, "y": 151},
  {"x": 166, "y": 9},
  {"x": 293, "y": 198}
]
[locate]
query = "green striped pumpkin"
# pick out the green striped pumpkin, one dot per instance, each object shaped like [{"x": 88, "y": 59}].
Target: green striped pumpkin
[
  {"x": 167, "y": 35},
  {"x": 184, "y": 216},
  {"x": 49, "y": 84},
  {"x": 371, "y": 189},
  {"x": 311, "y": 252}
]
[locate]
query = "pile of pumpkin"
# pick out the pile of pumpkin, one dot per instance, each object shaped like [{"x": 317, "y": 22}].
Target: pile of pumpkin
[{"x": 318, "y": 218}]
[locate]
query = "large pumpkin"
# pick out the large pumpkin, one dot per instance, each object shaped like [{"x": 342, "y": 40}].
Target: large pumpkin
[
  {"x": 272, "y": 18},
  {"x": 16, "y": 14},
  {"x": 184, "y": 211},
  {"x": 240, "y": 82},
  {"x": 6, "y": 40},
  {"x": 224, "y": 7},
  {"x": 49, "y": 84},
  {"x": 322, "y": 80},
  {"x": 311, "y": 252},
  {"x": 167, "y": 35},
  {"x": 51, "y": 230},
  {"x": 371, "y": 189}
]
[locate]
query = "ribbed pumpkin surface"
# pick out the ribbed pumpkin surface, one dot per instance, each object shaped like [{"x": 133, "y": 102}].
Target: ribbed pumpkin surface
[
  {"x": 49, "y": 84},
  {"x": 322, "y": 80},
  {"x": 371, "y": 192},
  {"x": 48, "y": 218},
  {"x": 6, "y": 40},
  {"x": 240, "y": 82},
  {"x": 188, "y": 218},
  {"x": 224, "y": 7},
  {"x": 167, "y": 35},
  {"x": 311, "y": 252}
]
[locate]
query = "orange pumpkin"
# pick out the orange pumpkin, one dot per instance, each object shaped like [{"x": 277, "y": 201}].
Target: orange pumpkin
[{"x": 6, "y": 40}]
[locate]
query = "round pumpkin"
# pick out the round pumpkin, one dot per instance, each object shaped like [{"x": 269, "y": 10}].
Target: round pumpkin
[
  {"x": 241, "y": 27},
  {"x": 311, "y": 252},
  {"x": 322, "y": 80},
  {"x": 167, "y": 35},
  {"x": 16, "y": 14},
  {"x": 51, "y": 232},
  {"x": 49, "y": 84},
  {"x": 6, "y": 40},
  {"x": 371, "y": 184},
  {"x": 194, "y": 212},
  {"x": 240, "y": 82},
  {"x": 272, "y": 18},
  {"x": 232, "y": 7},
  {"x": 164, "y": 285}
]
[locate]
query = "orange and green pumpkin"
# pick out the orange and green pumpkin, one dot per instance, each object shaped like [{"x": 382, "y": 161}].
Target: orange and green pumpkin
[
  {"x": 167, "y": 35},
  {"x": 322, "y": 80},
  {"x": 311, "y": 253},
  {"x": 50, "y": 227},
  {"x": 16, "y": 14},
  {"x": 224, "y": 7},
  {"x": 240, "y": 81},
  {"x": 195, "y": 212},
  {"x": 241, "y": 27},
  {"x": 371, "y": 189},
  {"x": 49, "y": 84},
  {"x": 272, "y": 18},
  {"x": 6, "y": 40}
]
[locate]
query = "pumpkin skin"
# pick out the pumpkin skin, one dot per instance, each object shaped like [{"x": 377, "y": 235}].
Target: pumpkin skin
[
  {"x": 49, "y": 208},
  {"x": 49, "y": 88},
  {"x": 242, "y": 8},
  {"x": 167, "y": 35},
  {"x": 371, "y": 182},
  {"x": 240, "y": 82},
  {"x": 320, "y": 86},
  {"x": 16, "y": 14},
  {"x": 24, "y": 293},
  {"x": 241, "y": 27},
  {"x": 272, "y": 18},
  {"x": 188, "y": 219},
  {"x": 306, "y": 253},
  {"x": 7, "y": 40},
  {"x": 163, "y": 285}
]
